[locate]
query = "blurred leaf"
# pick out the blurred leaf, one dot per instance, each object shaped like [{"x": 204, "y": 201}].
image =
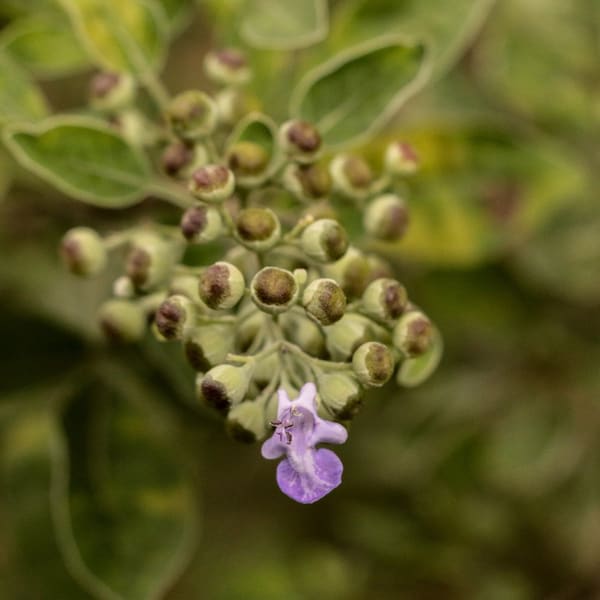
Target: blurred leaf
[
  {"x": 83, "y": 158},
  {"x": 358, "y": 91},
  {"x": 120, "y": 36},
  {"x": 45, "y": 44},
  {"x": 177, "y": 12},
  {"x": 124, "y": 513},
  {"x": 284, "y": 24},
  {"x": 20, "y": 98},
  {"x": 414, "y": 371}
]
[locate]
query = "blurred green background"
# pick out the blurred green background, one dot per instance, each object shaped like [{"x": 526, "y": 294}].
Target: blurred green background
[{"x": 484, "y": 483}]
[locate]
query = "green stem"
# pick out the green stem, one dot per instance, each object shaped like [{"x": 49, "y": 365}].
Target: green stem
[{"x": 171, "y": 192}]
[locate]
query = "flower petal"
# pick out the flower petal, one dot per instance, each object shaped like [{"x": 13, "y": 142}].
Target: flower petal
[
  {"x": 308, "y": 487},
  {"x": 273, "y": 447},
  {"x": 328, "y": 432}
]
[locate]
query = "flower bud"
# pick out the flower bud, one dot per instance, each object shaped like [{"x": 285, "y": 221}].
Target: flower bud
[
  {"x": 212, "y": 183},
  {"x": 134, "y": 127},
  {"x": 230, "y": 105},
  {"x": 384, "y": 300},
  {"x": 386, "y": 218},
  {"x": 249, "y": 162},
  {"x": 208, "y": 345},
  {"x": 246, "y": 422},
  {"x": 187, "y": 285},
  {"x": 413, "y": 334},
  {"x": 221, "y": 285},
  {"x": 401, "y": 159},
  {"x": 373, "y": 364},
  {"x": 227, "y": 67},
  {"x": 264, "y": 369},
  {"x": 340, "y": 394},
  {"x": 123, "y": 287},
  {"x": 111, "y": 91},
  {"x": 83, "y": 252},
  {"x": 174, "y": 315},
  {"x": 247, "y": 329},
  {"x": 180, "y": 159},
  {"x": 307, "y": 182},
  {"x": 324, "y": 301},
  {"x": 274, "y": 290},
  {"x": 345, "y": 336},
  {"x": 122, "y": 321},
  {"x": 257, "y": 228},
  {"x": 303, "y": 332},
  {"x": 351, "y": 176},
  {"x": 352, "y": 271},
  {"x": 300, "y": 141},
  {"x": 192, "y": 115},
  {"x": 201, "y": 224},
  {"x": 150, "y": 260},
  {"x": 224, "y": 385},
  {"x": 324, "y": 240}
]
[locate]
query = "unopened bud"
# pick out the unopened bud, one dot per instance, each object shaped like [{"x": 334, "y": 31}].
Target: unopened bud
[
  {"x": 212, "y": 183},
  {"x": 340, "y": 394},
  {"x": 265, "y": 369},
  {"x": 201, "y": 224},
  {"x": 227, "y": 67},
  {"x": 83, "y": 252},
  {"x": 274, "y": 290},
  {"x": 208, "y": 345},
  {"x": 401, "y": 159},
  {"x": 304, "y": 333},
  {"x": 352, "y": 271},
  {"x": 384, "y": 300},
  {"x": 300, "y": 141},
  {"x": 150, "y": 260},
  {"x": 351, "y": 176},
  {"x": 230, "y": 105},
  {"x": 173, "y": 316},
  {"x": 324, "y": 301},
  {"x": 307, "y": 182},
  {"x": 123, "y": 287},
  {"x": 186, "y": 285},
  {"x": 258, "y": 228},
  {"x": 180, "y": 159},
  {"x": 111, "y": 91},
  {"x": 324, "y": 240},
  {"x": 345, "y": 336},
  {"x": 413, "y": 334},
  {"x": 249, "y": 161},
  {"x": 221, "y": 285},
  {"x": 122, "y": 321},
  {"x": 192, "y": 115},
  {"x": 224, "y": 385},
  {"x": 373, "y": 364},
  {"x": 386, "y": 218},
  {"x": 247, "y": 330},
  {"x": 246, "y": 422}
]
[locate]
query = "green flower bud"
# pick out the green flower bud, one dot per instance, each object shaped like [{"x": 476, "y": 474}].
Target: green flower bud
[
  {"x": 401, "y": 159},
  {"x": 123, "y": 287},
  {"x": 352, "y": 271},
  {"x": 134, "y": 127},
  {"x": 307, "y": 182},
  {"x": 340, "y": 394},
  {"x": 300, "y": 141},
  {"x": 413, "y": 334},
  {"x": 257, "y": 228},
  {"x": 386, "y": 218},
  {"x": 122, "y": 321},
  {"x": 212, "y": 183},
  {"x": 192, "y": 115},
  {"x": 246, "y": 422},
  {"x": 230, "y": 105},
  {"x": 180, "y": 159},
  {"x": 111, "y": 91},
  {"x": 150, "y": 260},
  {"x": 221, "y": 285},
  {"x": 83, "y": 251},
  {"x": 274, "y": 290},
  {"x": 173, "y": 316},
  {"x": 373, "y": 364},
  {"x": 227, "y": 67},
  {"x": 247, "y": 329},
  {"x": 249, "y": 162},
  {"x": 208, "y": 345},
  {"x": 351, "y": 176},
  {"x": 324, "y": 301},
  {"x": 201, "y": 224},
  {"x": 224, "y": 385},
  {"x": 186, "y": 285},
  {"x": 245, "y": 260},
  {"x": 303, "y": 332},
  {"x": 384, "y": 300},
  {"x": 264, "y": 370},
  {"x": 324, "y": 240},
  {"x": 345, "y": 336}
]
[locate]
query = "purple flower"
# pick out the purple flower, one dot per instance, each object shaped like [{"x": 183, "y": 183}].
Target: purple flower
[{"x": 306, "y": 474}]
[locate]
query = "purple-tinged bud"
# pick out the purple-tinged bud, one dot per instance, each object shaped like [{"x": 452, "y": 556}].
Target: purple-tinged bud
[
  {"x": 352, "y": 176},
  {"x": 208, "y": 345},
  {"x": 180, "y": 159},
  {"x": 307, "y": 182},
  {"x": 373, "y": 364},
  {"x": 201, "y": 224},
  {"x": 227, "y": 67},
  {"x": 352, "y": 271},
  {"x": 249, "y": 162},
  {"x": 122, "y": 321},
  {"x": 111, "y": 91},
  {"x": 340, "y": 394},
  {"x": 384, "y": 300},
  {"x": 257, "y": 228},
  {"x": 401, "y": 159},
  {"x": 346, "y": 335},
  {"x": 386, "y": 218},
  {"x": 324, "y": 240},
  {"x": 192, "y": 115},
  {"x": 173, "y": 316},
  {"x": 246, "y": 422},
  {"x": 212, "y": 183},
  {"x": 221, "y": 285},
  {"x": 413, "y": 334},
  {"x": 274, "y": 290},
  {"x": 300, "y": 141},
  {"x": 224, "y": 385},
  {"x": 324, "y": 301},
  {"x": 150, "y": 260},
  {"x": 82, "y": 251}
]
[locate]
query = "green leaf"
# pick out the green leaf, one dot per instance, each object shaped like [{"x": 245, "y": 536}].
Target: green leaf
[
  {"x": 83, "y": 158},
  {"x": 120, "y": 36},
  {"x": 284, "y": 24},
  {"x": 45, "y": 44},
  {"x": 414, "y": 371},
  {"x": 20, "y": 99},
  {"x": 360, "y": 90},
  {"x": 122, "y": 506}
]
